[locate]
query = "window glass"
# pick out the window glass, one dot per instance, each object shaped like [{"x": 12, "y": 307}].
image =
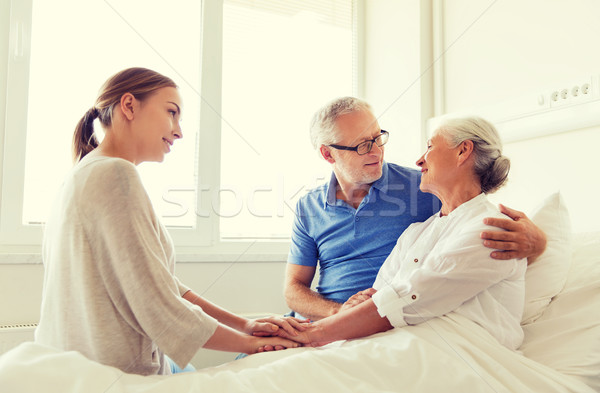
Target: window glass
[
  {"x": 75, "y": 46},
  {"x": 282, "y": 60}
]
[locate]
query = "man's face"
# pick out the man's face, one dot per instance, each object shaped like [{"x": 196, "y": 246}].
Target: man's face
[{"x": 350, "y": 168}]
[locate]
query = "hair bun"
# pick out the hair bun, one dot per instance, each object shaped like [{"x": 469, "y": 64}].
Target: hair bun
[{"x": 496, "y": 176}]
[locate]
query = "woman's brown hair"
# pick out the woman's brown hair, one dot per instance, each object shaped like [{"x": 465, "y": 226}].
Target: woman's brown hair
[{"x": 140, "y": 82}]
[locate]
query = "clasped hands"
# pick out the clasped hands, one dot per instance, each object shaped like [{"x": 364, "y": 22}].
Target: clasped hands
[
  {"x": 301, "y": 331},
  {"x": 288, "y": 328}
]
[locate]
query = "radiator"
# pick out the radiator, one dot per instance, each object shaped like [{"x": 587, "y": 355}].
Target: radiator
[{"x": 13, "y": 335}]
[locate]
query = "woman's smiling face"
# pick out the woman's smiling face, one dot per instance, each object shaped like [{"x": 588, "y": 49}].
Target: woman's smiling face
[
  {"x": 438, "y": 164},
  {"x": 157, "y": 124}
]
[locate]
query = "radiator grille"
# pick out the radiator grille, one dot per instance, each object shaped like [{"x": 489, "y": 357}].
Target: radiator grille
[{"x": 13, "y": 335}]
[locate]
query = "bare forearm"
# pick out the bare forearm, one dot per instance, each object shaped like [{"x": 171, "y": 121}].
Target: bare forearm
[
  {"x": 227, "y": 339},
  {"x": 309, "y": 303},
  {"x": 359, "y": 321},
  {"x": 220, "y": 314}
]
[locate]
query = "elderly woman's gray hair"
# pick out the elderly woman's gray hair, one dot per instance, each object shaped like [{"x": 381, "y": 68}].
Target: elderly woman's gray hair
[
  {"x": 322, "y": 125},
  {"x": 490, "y": 165}
]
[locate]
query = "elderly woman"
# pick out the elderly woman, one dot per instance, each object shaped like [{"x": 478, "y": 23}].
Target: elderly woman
[{"x": 441, "y": 265}]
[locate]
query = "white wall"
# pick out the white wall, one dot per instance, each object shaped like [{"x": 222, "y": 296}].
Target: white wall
[
  {"x": 515, "y": 48},
  {"x": 398, "y": 74},
  {"x": 493, "y": 51}
]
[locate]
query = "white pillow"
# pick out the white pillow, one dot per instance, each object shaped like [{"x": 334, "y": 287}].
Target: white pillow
[
  {"x": 585, "y": 265},
  {"x": 567, "y": 336},
  {"x": 546, "y": 277}
]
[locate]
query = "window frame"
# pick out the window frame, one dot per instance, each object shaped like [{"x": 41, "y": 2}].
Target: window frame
[{"x": 205, "y": 239}]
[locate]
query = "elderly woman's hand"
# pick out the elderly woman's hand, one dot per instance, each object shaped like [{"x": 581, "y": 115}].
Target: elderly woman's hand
[
  {"x": 309, "y": 337},
  {"x": 522, "y": 238},
  {"x": 358, "y": 298},
  {"x": 275, "y": 326}
]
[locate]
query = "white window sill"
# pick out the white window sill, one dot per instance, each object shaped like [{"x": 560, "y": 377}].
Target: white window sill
[{"x": 251, "y": 251}]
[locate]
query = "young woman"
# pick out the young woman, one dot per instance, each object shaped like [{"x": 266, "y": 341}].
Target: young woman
[{"x": 109, "y": 288}]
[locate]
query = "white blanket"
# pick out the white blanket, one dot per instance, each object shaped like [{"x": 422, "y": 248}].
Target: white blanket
[{"x": 448, "y": 354}]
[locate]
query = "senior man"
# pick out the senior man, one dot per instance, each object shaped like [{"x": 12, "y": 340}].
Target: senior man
[{"x": 349, "y": 225}]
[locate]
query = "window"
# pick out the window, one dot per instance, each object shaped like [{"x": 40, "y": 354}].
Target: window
[
  {"x": 280, "y": 63},
  {"x": 251, "y": 73},
  {"x": 64, "y": 79}
]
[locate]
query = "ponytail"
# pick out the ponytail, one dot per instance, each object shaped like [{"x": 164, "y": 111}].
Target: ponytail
[
  {"x": 84, "y": 140},
  {"x": 141, "y": 82}
]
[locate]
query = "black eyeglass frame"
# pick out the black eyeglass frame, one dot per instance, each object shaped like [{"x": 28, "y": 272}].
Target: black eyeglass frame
[{"x": 384, "y": 134}]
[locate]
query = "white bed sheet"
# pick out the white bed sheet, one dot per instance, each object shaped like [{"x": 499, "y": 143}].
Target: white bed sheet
[{"x": 449, "y": 354}]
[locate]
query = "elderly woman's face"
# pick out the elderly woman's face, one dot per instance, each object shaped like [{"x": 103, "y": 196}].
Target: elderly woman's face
[{"x": 438, "y": 165}]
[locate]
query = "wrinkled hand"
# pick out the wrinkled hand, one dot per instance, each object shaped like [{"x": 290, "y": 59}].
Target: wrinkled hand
[
  {"x": 358, "y": 298},
  {"x": 275, "y": 326},
  {"x": 522, "y": 238},
  {"x": 307, "y": 337}
]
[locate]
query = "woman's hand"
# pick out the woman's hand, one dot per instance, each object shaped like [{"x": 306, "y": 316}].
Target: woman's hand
[
  {"x": 275, "y": 326},
  {"x": 358, "y": 298},
  {"x": 267, "y": 344}
]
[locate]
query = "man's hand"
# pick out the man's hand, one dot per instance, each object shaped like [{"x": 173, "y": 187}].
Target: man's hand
[
  {"x": 358, "y": 298},
  {"x": 522, "y": 239},
  {"x": 275, "y": 326}
]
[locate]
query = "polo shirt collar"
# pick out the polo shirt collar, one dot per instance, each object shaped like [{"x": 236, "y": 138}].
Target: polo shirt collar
[
  {"x": 381, "y": 184},
  {"x": 330, "y": 191}
]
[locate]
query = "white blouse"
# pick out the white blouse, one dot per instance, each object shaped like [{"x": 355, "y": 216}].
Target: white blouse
[{"x": 441, "y": 265}]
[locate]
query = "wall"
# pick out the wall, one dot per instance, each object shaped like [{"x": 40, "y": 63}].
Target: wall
[
  {"x": 398, "y": 72},
  {"x": 497, "y": 50},
  {"x": 491, "y": 52}
]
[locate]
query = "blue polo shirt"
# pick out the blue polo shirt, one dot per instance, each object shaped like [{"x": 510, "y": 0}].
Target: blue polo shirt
[{"x": 349, "y": 244}]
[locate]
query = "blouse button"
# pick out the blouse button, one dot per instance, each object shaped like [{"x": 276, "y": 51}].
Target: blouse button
[
  {"x": 413, "y": 297},
  {"x": 416, "y": 260}
]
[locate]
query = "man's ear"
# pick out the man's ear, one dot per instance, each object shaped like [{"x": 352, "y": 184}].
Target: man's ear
[
  {"x": 127, "y": 105},
  {"x": 465, "y": 150},
  {"x": 326, "y": 154}
]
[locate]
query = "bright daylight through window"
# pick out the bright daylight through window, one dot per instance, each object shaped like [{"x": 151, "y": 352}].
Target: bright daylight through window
[
  {"x": 281, "y": 60},
  {"x": 72, "y": 54}
]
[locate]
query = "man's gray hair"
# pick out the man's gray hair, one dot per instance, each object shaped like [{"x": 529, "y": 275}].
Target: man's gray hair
[
  {"x": 490, "y": 165},
  {"x": 322, "y": 125}
]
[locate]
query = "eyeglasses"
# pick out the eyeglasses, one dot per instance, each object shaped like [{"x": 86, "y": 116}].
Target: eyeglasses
[{"x": 366, "y": 146}]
